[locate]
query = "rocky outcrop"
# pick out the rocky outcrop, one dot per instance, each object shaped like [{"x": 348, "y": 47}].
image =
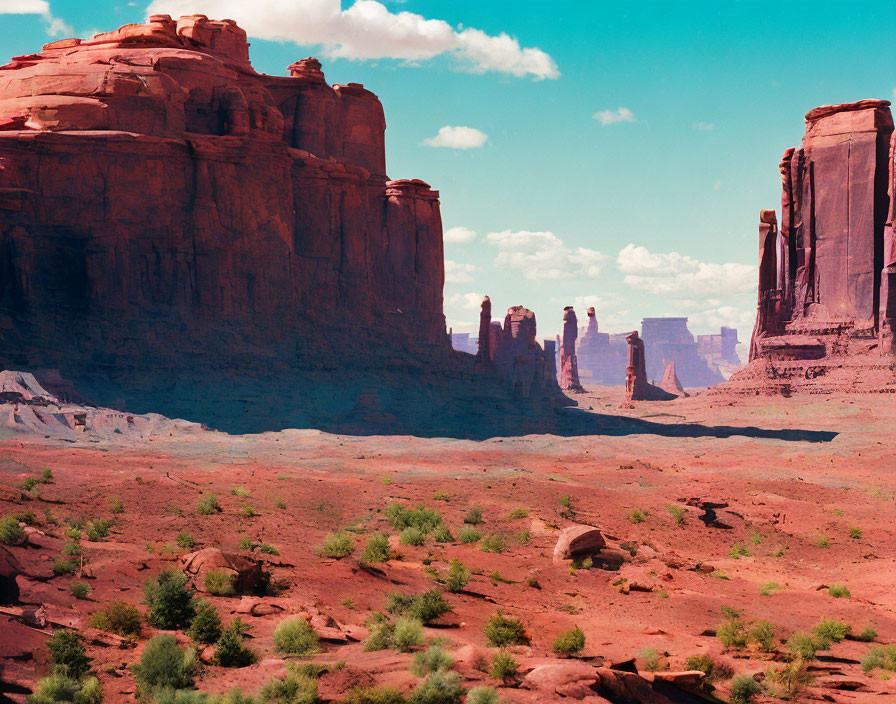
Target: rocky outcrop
[
  {"x": 670, "y": 383},
  {"x": 826, "y": 309},
  {"x": 637, "y": 387},
  {"x": 569, "y": 369},
  {"x": 668, "y": 339},
  {"x": 181, "y": 234}
]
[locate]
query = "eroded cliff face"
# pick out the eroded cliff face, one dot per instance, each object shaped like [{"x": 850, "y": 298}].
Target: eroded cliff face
[{"x": 171, "y": 221}]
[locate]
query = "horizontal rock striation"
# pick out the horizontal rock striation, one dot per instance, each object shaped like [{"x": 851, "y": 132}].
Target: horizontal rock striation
[{"x": 178, "y": 229}]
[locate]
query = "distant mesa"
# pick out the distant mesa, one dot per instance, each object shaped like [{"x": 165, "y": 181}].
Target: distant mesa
[{"x": 827, "y": 270}]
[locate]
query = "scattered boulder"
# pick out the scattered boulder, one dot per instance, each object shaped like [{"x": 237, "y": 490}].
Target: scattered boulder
[
  {"x": 572, "y": 679},
  {"x": 246, "y": 573},
  {"x": 578, "y": 541}
]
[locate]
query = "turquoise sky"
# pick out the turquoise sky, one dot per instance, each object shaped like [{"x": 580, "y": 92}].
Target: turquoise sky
[{"x": 705, "y": 97}]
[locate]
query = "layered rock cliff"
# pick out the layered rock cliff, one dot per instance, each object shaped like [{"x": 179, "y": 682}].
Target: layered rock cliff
[{"x": 180, "y": 233}]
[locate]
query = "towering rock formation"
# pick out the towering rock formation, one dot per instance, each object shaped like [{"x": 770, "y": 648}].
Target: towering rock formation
[
  {"x": 569, "y": 370},
  {"x": 826, "y": 307},
  {"x": 637, "y": 387},
  {"x": 181, "y": 234},
  {"x": 670, "y": 383},
  {"x": 485, "y": 327}
]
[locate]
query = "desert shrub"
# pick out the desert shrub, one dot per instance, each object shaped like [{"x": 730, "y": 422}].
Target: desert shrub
[
  {"x": 440, "y": 496},
  {"x": 433, "y": 659},
  {"x": 469, "y": 534},
  {"x": 422, "y": 518},
  {"x": 118, "y": 617},
  {"x": 268, "y": 549},
  {"x": 412, "y": 536},
  {"x": 677, "y": 513},
  {"x": 377, "y": 549},
  {"x": 762, "y": 633},
  {"x": 458, "y": 576},
  {"x": 374, "y": 695},
  {"x": 822, "y": 541},
  {"x": 208, "y": 505},
  {"x": 789, "y": 681},
  {"x": 71, "y": 549},
  {"x": 569, "y": 643},
  {"x": 164, "y": 664},
  {"x": 829, "y": 631},
  {"x": 115, "y": 505},
  {"x": 483, "y": 695},
  {"x": 768, "y": 588},
  {"x": 713, "y": 669},
  {"x": 743, "y": 689},
  {"x": 205, "y": 627},
  {"x": 296, "y": 688},
  {"x": 295, "y": 636},
  {"x": 98, "y": 529},
  {"x": 439, "y": 688},
  {"x": 518, "y": 513},
  {"x": 68, "y": 654},
  {"x": 338, "y": 545},
  {"x": 11, "y": 533},
  {"x": 170, "y": 600},
  {"x": 28, "y": 483},
  {"x": 855, "y": 533},
  {"x": 192, "y": 696},
  {"x": 473, "y": 516},
  {"x": 408, "y": 634},
  {"x": 732, "y": 634},
  {"x": 65, "y": 565},
  {"x": 866, "y": 636},
  {"x": 46, "y": 476},
  {"x": 839, "y": 591},
  {"x": 240, "y": 491},
  {"x": 185, "y": 541},
  {"x": 636, "y": 515},
  {"x": 503, "y": 666},
  {"x": 653, "y": 661},
  {"x": 739, "y": 550},
  {"x": 493, "y": 542},
  {"x": 883, "y": 658},
  {"x": 424, "y": 607},
  {"x": 247, "y": 510},
  {"x": 230, "y": 651},
  {"x": 59, "y": 688},
  {"x": 80, "y": 590},
  {"x": 26, "y": 517},
  {"x": 502, "y": 630},
  {"x": 381, "y": 637},
  {"x": 219, "y": 583},
  {"x": 442, "y": 534},
  {"x": 73, "y": 532},
  {"x": 802, "y": 645}
]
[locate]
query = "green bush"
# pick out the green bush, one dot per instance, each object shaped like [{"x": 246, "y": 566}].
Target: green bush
[
  {"x": 28, "y": 483},
  {"x": 636, "y": 515},
  {"x": 230, "y": 651},
  {"x": 569, "y": 643},
  {"x": 98, "y": 529},
  {"x": 802, "y": 645},
  {"x": 374, "y": 695},
  {"x": 883, "y": 658},
  {"x": 26, "y": 517},
  {"x": 240, "y": 491},
  {"x": 866, "y": 636},
  {"x": 381, "y": 636},
  {"x": 504, "y": 667},
  {"x": 473, "y": 516},
  {"x": 653, "y": 661},
  {"x": 118, "y": 617},
  {"x": 739, "y": 550},
  {"x": 68, "y": 654},
  {"x": 297, "y": 688},
  {"x": 714, "y": 670},
  {"x": 185, "y": 541},
  {"x": 839, "y": 591},
  {"x": 162, "y": 665},
  {"x": 11, "y": 533},
  {"x": 65, "y": 565},
  {"x": 424, "y": 607},
  {"x": 763, "y": 634},
  {"x": 338, "y": 545},
  {"x": 72, "y": 549},
  {"x": 439, "y": 688},
  {"x": 170, "y": 600},
  {"x": 408, "y": 634},
  {"x": 80, "y": 590},
  {"x": 829, "y": 631},
  {"x": 205, "y": 627},
  {"x": 219, "y": 583},
  {"x": 115, "y": 505},
  {"x": 469, "y": 534},
  {"x": 442, "y": 534},
  {"x": 732, "y": 634},
  {"x": 789, "y": 681},
  {"x": 46, "y": 476},
  {"x": 458, "y": 576},
  {"x": 412, "y": 536},
  {"x": 295, "y": 636},
  {"x": 58, "y": 688},
  {"x": 377, "y": 549},
  {"x": 422, "y": 518},
  {"x": 677, "y": 513},
  {"x": 208, "y": 505},
  {"x": 492, "y": 543},
  {"x": 518, "y": 513},
  {"x": 483, "y": 695},
  {"x": 743, "y": 689},
  {"x": 501, "y": 630},
  {"x": 268, "y": 549},
  {"x": 433, "y": 659}
]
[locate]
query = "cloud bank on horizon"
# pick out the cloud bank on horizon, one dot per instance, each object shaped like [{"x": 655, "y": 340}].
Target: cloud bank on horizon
[{"x": 367, "y": 29}]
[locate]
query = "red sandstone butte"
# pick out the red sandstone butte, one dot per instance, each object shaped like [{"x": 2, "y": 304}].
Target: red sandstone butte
[
  {"x": 569, "y": 370},
  {"x": 827, "y": 300}
]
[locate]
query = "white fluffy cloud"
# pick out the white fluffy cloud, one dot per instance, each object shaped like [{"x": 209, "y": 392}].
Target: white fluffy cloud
[
  {"x": 55, "y": 26},
  {"x": 457, "y": 138},
  {"x": 704, "y": 126},
  {"x": 459, "y": 235},
  {"x": 367, "y": 29},
  {"x": 676, "y": 275},
  {"x": 611, "y": 117},
  {"x": 542, "y": 255},
  {"x": 458, "y": 273},
  {"x": 465, "y": 301}
]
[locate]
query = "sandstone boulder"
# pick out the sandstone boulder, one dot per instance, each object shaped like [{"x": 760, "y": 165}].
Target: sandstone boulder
[
  {"x": 578, "y": 541},
  {"x": 246, "y": 573}
]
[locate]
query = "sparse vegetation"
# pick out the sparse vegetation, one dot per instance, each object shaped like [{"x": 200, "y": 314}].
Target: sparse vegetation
[
  {"x": 473, "y": 516},
  {"x": 115, "y": 505},
  {"x": 65, "y": 565},
  {"x": 433, "y": 659},
  {"x": 439, "y": 688},
  {"x": 424, "y": 519},
  {"x": 494, "y": 542},
  {"x": 240, "y": 491},
  {"x": 713, "y": 669},
  {"x": 170, "y": 600},
  {"x": 230, "y": 651},
  {"x": 518, "y": 513},
  {"x": 739, "y": 550},
  {"x": 483, "y": 695},
  {"x": 71, "y": 549},
  {"x": 374, "y": 695},
  {"x": 118, "y": 617},
  {"x": 732, "y": 633},
  {"x": 502, "y": 630},
  {"x": 185, "y": 541},
  {"x": 504, "y": 667},
  {"x": 802, "y": 645},
  {"x": 788, "y": 681},
  {"x": 412, "y": 536},
  {"x": 855, "y": 533},
  {"x": 653, "y": 660},
  {"x": 469, "y": 534},
  {"x": 830, "y": 631},
  {"x": 205, "y": 627},
  {"x": 677, "y": 513},
  {"x": 769, "y": 588},
  {"x": 68, "y": 654},
  {"x": 839, "y": 591},
  {"x": 442, "y": 534},
  {"x": 338, "y": 545},
  {"x": 822, "y": 541},
  {"x": 11, "y": 533},
  {"x": 743, "y": 689},
  {"x": 208, "y": 505},
  {"x": 295, "y": 688},
  {"x": 407, "y": 634},
  {"x": 569, "y": 643},
  {"x": 98, "y": 529},
  {"x": 80, "y": 590},
  {"x": 867, "y": 635},
  {"x": 883, "y": 657},
  {"x": 636, "y": 515},
  {"x": 164, "y": 665},
  {"x": 762, "y": 633},
  {"x": 424, "y": 607},
  {"x": 458, "y": 576},
  {"x": 58, "y": 688},
  {"x": 377, "y": 549},
  {"x": 440, "y": 496},
  {"x": 295, "y": 636},
  {"x": 219, "y": 583}
]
